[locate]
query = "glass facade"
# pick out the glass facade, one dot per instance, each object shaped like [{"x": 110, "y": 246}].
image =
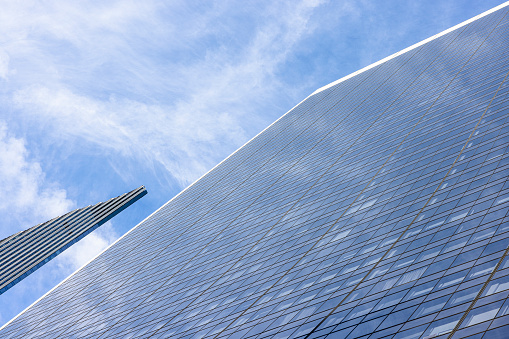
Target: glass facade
[
  {"x": 376, "y": 208},
  {"x": 24, "y": 252}
]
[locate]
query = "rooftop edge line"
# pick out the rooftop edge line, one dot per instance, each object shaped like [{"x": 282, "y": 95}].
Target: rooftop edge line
[{"x": 392, "y": 56}]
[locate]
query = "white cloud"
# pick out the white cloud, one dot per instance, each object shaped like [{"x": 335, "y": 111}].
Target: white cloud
[
  {"x": 212, "y": 96},
  {"x": 87, "y": 248},
  {"x": 4, "y": 64},
  {"x": 26, "y": 196},
  {"x": 132, "y": 128},
  {"x": 28, "y": 199}
]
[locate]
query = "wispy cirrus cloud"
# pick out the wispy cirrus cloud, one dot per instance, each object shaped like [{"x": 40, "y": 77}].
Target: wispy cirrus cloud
[
  {"x": 133, "y": 129},
  {"x": 200, "y": 109}
]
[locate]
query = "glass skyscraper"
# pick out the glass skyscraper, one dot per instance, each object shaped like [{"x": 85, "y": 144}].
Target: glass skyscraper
[
  {"x": 24, "y": 252},
  {"x": 375, "y": 208}
]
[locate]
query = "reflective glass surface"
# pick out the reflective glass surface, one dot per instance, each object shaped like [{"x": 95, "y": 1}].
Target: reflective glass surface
[{"x": 376, "y": 208}]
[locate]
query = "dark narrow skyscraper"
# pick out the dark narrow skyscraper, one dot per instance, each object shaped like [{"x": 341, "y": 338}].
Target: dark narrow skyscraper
[
  {"x": 24, "y": 252},
  {"x": 376, "y": 208}
]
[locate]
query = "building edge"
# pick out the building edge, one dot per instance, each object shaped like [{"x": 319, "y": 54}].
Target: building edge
[
  {"x": 403, "y": 51},
  {"x": 157, "y": 210}
]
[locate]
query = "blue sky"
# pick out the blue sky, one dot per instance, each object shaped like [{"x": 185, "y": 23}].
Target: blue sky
[{"x": 98, "y": 98}]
